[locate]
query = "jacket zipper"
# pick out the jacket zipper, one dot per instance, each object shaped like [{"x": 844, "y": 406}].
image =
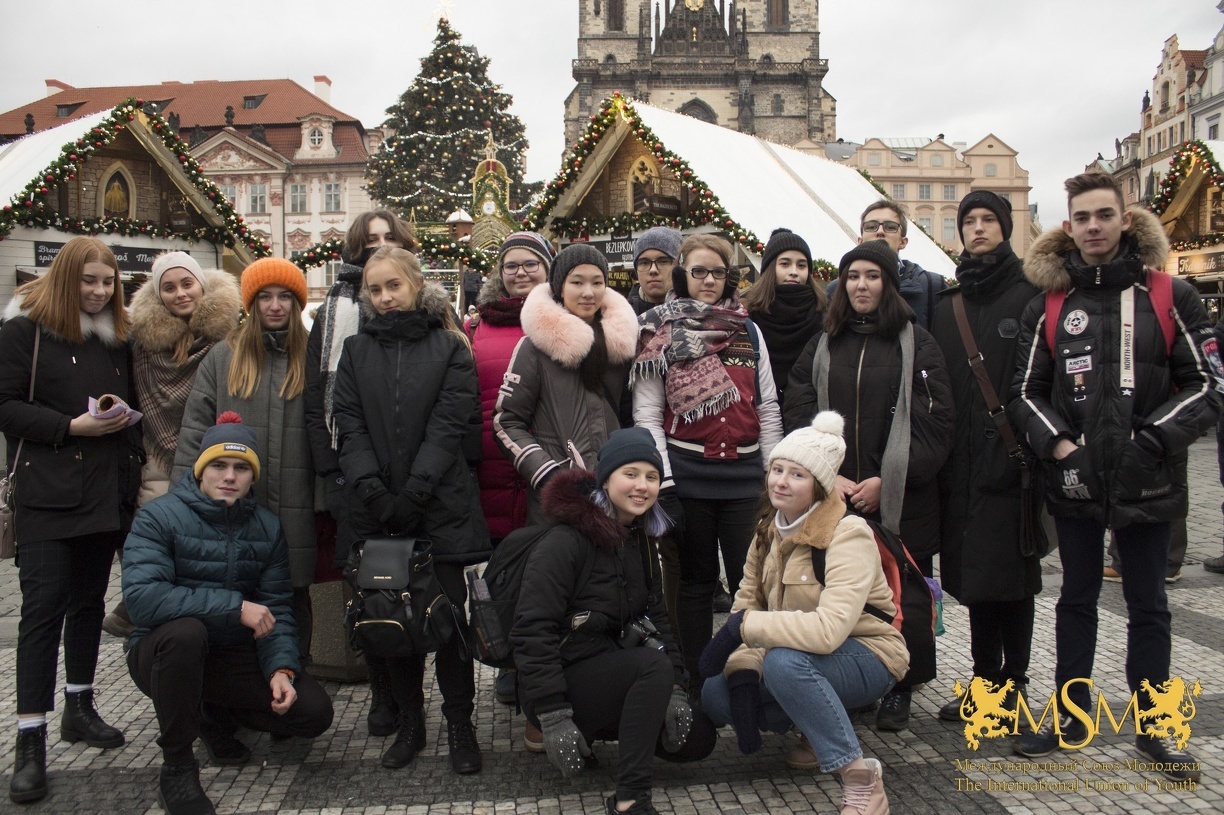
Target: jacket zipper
[
  {"x": 858, "y": 388},
  {"x": 930, "y": 399}
]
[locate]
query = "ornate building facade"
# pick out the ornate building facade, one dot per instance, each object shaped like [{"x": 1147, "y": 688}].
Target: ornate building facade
[{"x": 748, "y": 65}]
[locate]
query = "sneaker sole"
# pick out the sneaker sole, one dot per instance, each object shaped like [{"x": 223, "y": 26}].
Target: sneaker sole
[
  {"x": 892, "y": 727},
  {"x": 1034, "y": 753},
  {"x": 1192, "y": 775},
  {"x": 533, "y": 746}
]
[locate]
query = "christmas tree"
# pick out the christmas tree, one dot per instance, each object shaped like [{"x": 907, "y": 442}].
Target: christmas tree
[{"x": 440, "y": 127}]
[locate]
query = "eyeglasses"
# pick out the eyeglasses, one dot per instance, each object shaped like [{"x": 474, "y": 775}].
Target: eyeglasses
[
  {"x": 699, "y": 273},
  {"x": 526, "y": 267},
  {"x": 662, "y": 264},
  {"x": 891, "y": 227}
]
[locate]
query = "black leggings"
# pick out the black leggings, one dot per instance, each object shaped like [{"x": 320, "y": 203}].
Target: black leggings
[
  {"x": 622, "y": 696},
  {"x": 1001, "y": 639}
]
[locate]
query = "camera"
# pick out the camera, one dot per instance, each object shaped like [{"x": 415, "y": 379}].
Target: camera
[{"x": 641, "y": 631}]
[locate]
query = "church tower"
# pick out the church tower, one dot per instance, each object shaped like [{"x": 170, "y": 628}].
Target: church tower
[{"x": 749, "y": 65}]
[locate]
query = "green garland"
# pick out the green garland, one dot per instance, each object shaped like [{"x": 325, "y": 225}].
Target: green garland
[
  {"x": 1179, "y": 167},
  {"x": 318, "y": 254},
  {"x": 31, "y": 206},
  {"x": 433, "y": 247}
]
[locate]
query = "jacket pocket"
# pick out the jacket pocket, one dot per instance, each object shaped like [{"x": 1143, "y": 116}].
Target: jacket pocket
[
  {"x": 1140, "y": 476},
  {"x": 1074, "y": 479},
  {"x": 50, "y": 477}
]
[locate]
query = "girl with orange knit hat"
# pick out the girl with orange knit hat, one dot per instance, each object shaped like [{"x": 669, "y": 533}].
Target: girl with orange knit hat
[{"x": 260, "y": 372}]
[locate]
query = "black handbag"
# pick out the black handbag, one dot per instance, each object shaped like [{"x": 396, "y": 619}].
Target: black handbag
[{"x": 399, "y": 608}]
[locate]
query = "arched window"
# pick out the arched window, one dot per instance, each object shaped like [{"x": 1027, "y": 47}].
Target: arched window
[
  {"x": 699, "y": 110},
  {"x": 610, "y": 59},
  {"x": 117, "y": 195},
  {"x": 767, "y": 59},
  {"x": 1164, "y": 96}
]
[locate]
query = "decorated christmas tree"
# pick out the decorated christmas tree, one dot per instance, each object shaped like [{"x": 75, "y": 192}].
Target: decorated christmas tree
[{"x": 440, "y": 128}]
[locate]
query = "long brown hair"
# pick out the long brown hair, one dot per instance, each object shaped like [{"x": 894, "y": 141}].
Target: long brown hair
[
  {"x": 54, "y": 300},
  {"x": 761, "y": 295},
  {"x": 247, "y": 362},
  {"x": 407, "y": 264},
  {"x": 355, "y": 238},
  {"x": 892, "y": 312}
]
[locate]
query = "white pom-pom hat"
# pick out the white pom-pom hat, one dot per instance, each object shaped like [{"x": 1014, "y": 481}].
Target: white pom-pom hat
[{"x": 819, "y": 449}]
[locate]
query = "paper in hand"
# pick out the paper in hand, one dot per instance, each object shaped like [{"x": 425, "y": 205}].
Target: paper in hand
[{"x": 109, "y": 406}]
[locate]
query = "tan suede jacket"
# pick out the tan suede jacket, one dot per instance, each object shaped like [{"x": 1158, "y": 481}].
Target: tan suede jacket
[{"x": 788, "y": 608}]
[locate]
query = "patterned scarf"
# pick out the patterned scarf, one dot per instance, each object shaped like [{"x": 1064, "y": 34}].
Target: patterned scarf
[
  {"x": 680, "y": 341},
  {"x": 164, "y": 388}
]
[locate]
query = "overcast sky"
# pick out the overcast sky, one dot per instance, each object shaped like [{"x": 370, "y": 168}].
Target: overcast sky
[{"x": 1058, "y": 80}]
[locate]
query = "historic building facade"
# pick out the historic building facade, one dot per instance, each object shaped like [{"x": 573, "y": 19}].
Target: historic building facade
[{"x": 748, "y": 65}]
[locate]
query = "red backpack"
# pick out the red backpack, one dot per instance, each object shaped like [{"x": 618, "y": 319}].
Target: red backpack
[{"x": 1160, "y": 292}]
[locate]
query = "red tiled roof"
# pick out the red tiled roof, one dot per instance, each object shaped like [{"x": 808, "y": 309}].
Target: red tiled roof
[
  {"x": 1194, "y": 59},
  {"x": 202, "y": 103}
]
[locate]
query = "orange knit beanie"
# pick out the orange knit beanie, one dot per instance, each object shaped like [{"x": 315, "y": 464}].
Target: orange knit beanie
[{"x": 273, "y": 272}]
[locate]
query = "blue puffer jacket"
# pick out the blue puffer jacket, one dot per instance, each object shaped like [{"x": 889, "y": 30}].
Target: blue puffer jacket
[{"x": 190, "y": 556}]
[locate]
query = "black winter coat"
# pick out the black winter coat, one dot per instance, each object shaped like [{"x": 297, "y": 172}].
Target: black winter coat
[
  {"x": 405, "y": 398},
  {"x": 67, "y": 486},
  {"x": 625, "y": 584},
  {"x": 1130, "y": 443},
  {"x": 980, "y": 485},
  {"x": 864, "y": 383}
]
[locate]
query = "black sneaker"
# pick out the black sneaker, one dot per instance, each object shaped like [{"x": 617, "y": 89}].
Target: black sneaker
[
  {"x": 722, "y": 600},
  {"x": 894, "y": 711},
  {"x": 1046, "y": 741},
  {"x": 504, "y": 689},
  {"x": 951, "y": 711},
  {"x": 641, "y": 806},
  {"x": 464, "y": 750},
  {"x": 1174, "y": 764}
]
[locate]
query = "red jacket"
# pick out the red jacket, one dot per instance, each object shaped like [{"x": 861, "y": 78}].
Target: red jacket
[{"x": 503, "y": 492}]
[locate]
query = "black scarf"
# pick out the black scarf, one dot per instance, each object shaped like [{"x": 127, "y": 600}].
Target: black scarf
[
  {"x": 793, "y": 319},
  {"x": 980, "y": 277}
]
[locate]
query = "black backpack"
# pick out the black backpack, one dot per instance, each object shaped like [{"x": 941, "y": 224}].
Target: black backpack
[
  {"x": 493, "y": 597},
  {"x": 915, "y": 617}
]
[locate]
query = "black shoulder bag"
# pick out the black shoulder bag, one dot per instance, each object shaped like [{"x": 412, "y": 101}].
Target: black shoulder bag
[{"x": 399, "y": 608}]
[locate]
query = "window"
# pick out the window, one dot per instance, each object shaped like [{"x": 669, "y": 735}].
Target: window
[
  {"x": 936, "y": 160},
  {"x": 331, "y": 197},
  {"x": 331, "y": 272},
  {"x": 1130, "y": 185},
  {"x": 873, "y": 159},
  {"x": 949, "y": 231},
  {"x": 1181, "y": 132},
  {"x": 1006, "y": 196},
  {"x": 1149, "y": 145},
  {"x": 230, "y": 191},
  {"x": 297, "y": 198},
  {"x": 64, "y": 111},
  {"x": 1213, "y": 131},
  {"x": 767, "y": 59},
  {"x": 899, "y": 192},
  {"x": 259, "y": 199},
  {"x": 924, "y": 192},
  {"x": 616, "y": 15},
  {"x": 991, "y": 170},
  {"x": 1164, "y": 97},
  {"x": 316, "y": 137},
  {"x": 776, "y": 106},
  {"x": 949, "y": 192},
  {"x": 925, "y": 223},
  {"x": 252, "y": 102},
  {"x": 775, "y": 14}
]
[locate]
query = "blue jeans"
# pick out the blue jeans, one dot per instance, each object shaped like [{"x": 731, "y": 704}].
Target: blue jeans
[{"x": 812, "y": 692}]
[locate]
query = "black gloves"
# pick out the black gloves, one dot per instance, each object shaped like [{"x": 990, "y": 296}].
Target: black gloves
[
  {"x": 401, "y": 514},
  {"x": 744, "y": 688},
  {"x": 563, "y": 741},
  {"x": 726, "y": 640}
]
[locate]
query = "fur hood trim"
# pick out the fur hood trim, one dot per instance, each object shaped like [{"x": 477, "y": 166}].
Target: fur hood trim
[
  {"x": 154, "y": 328},
  {"x": 817, "y": 531},
  {"x": 433, "y": 299},
  {"x": 1045, "y": 266},
  {"x": 566, "y": 339},
  {"x": 567, "y": 499},
  {"x": 100, "y": 325},
  {"x": 494, "y": 289}
]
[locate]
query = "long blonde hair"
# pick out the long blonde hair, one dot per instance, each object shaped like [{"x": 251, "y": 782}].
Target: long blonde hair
[
  {"x": 407, "y": 264},
  {"x": 247, "y": 363},
  {"x": 54, "y": 300}
]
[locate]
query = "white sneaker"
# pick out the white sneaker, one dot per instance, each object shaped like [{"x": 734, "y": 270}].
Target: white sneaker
[{"x": 863, "y": 790}]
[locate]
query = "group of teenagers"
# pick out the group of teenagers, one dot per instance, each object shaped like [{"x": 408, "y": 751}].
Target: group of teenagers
[{"x": 696, "y": 420}]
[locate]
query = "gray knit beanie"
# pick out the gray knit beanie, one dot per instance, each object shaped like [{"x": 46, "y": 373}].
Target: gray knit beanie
[
  {"x": 571, "y": 257},
  {"x": 663, "y": 238}
]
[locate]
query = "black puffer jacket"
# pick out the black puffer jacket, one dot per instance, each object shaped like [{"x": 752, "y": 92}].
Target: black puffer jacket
[
  {"x": 864, "y": 383},
  {"x": 67, "y": 486},
  {"x": 625, "y": 584},
  {"x": 1123, "y": 472},
  {"x": 980, "y": 485},
  {"x": 405, "y": 398}
]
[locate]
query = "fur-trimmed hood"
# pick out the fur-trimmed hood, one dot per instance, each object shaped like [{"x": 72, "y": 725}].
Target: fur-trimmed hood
[
  {"x": 433, "y": 300},
  {"x": 1045, "y": 266},
  {"x": 492, "y": 290},
  {"x": 567, "y": 339},
  {"x": 817, "y": 530},
  {"x": 154, "y": 328},
  {"x": 101, "y": 325},
  {"x": 567, "y": 499}
]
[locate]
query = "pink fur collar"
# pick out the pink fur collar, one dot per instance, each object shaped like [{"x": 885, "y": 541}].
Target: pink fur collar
[{"x": 566, "y": 339}]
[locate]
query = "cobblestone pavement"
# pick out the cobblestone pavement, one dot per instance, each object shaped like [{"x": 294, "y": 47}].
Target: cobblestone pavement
[{"x": 340, "y": 772}]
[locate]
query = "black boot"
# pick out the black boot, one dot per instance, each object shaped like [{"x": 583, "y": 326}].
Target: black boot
[
  {"x": 179, "y": 791},
  {"x": 29, "y": 781},
  {"x": 383, "y": 717},
  {"x": 408, "y": 742},
  {"x": 81, "y": 722},
  {"x": 217, "y": 728},
  {"x": 464, "y": 750}
]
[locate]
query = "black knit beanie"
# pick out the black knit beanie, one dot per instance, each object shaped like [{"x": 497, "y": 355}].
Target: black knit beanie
[
  {"x": 569, "y": 258},
  {"x": 783, "y": 240},
  {"x": 626, "y": 446},
  {"x": 987, "y": 200},
  {"x": 879, "y": 253}
]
